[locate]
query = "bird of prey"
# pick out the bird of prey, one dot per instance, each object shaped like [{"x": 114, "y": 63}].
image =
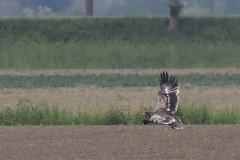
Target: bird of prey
[{"x": 167, "y": 103}]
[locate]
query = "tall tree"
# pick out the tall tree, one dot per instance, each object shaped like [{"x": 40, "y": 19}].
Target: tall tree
[
  {"x": 89, "y": 7},
  {"x": 175, "y": 8}
]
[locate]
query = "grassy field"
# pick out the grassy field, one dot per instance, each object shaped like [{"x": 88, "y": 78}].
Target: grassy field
[
  {"x": 89, "y": 106},
  {"x": 119, "y": 55},
  {"x": 38, "y": 100},
  {"x": 116, "y": 43},
  {"x": 112, "y": 80},
  {"x": 110, "y": 43},
  {"x": 30, "y": 113}
]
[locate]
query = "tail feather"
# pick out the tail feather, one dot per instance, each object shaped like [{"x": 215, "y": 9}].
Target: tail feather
[{"x": 176, "y": 125}]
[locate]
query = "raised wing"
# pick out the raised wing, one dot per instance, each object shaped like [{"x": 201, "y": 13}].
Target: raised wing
[{"x": 168, "y": 95}]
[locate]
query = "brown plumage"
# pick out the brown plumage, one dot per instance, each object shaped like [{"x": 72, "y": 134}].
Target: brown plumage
[{"x": 167, "y": 103}]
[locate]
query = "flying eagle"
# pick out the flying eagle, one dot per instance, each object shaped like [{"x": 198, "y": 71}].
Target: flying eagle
[{"x": 167, "y": 103}]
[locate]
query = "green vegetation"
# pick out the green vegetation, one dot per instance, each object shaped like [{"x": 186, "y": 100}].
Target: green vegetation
[
  {"x": 109, "y": 43},
  {"x": 129, "y": 29},
  {"x": 119, "y": 55},
  {"x": 30, "y": 113},
  {"x": 204, "y": 115},
  {"x": 112, "y": 80}
]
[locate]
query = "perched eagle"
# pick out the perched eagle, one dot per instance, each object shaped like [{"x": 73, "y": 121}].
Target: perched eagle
[{"x": 167, "y": 103}]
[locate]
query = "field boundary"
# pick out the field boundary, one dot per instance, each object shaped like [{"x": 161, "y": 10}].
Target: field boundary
[{"x": 117, "y": 71}]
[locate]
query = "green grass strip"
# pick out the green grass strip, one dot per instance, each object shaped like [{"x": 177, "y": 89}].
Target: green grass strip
[
  {"x": 103, "y": 80},
  {"x": 30, "y": 113},
  {"x": 126, "y": 42},
  {"x": 176, "y": 53}
]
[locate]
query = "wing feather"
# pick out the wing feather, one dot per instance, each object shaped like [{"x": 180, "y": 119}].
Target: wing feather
[
  {"x": 168, "y": 95},
  {"x": 162, "y": 119}
]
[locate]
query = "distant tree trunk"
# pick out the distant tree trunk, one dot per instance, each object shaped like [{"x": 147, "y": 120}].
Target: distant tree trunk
[
  {"x": 173, "y": 23},
  {"x": 89, "y": 7},
  {"x": 175, "y": 8}
]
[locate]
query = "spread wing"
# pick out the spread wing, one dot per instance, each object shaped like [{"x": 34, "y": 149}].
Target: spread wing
[{"x": 168, "y": 95}]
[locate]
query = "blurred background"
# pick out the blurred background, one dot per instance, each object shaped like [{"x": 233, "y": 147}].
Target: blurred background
[{"x": 52, "y": 8}]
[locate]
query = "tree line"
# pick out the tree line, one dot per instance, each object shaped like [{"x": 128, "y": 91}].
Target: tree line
[{"x": 115, "y": 7}]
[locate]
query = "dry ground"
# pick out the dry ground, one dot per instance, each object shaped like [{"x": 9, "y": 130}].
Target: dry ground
[
  {"x": 94, "y": 98},
  {"x": 120, "y": 142},
  {"x": 91, "y": 97}
]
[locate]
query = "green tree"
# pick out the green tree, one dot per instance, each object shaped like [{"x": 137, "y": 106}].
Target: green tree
[{"x": 175, "y": 8}]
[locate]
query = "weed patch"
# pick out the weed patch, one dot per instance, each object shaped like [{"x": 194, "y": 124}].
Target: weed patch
[{"x": 30, "y": 113}]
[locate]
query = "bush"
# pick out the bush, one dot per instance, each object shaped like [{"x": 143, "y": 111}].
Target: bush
[{"x": 115, "y": 116}]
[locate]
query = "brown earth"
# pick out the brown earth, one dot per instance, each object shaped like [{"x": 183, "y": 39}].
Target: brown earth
[
  {"x": 118, "y": 71},
  {"x": 120, "y": 142}
]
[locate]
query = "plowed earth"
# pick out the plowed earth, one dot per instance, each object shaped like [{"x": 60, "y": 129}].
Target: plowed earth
[{"x": 120, "y": 142}]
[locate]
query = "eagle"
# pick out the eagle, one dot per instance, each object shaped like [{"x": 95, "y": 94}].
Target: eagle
[{"x": 167, "y": 103}]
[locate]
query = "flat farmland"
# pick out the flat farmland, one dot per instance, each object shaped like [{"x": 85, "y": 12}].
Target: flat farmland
[
  {"x": 93, "y": 97},
  {"x": 120, "y": 141},
  {"x": 55, "y": 104}
]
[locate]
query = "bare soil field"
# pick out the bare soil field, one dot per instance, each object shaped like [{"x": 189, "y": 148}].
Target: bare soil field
[
  {"x": 120, "y": 142},
  {"x": 118, "y": 71}
]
